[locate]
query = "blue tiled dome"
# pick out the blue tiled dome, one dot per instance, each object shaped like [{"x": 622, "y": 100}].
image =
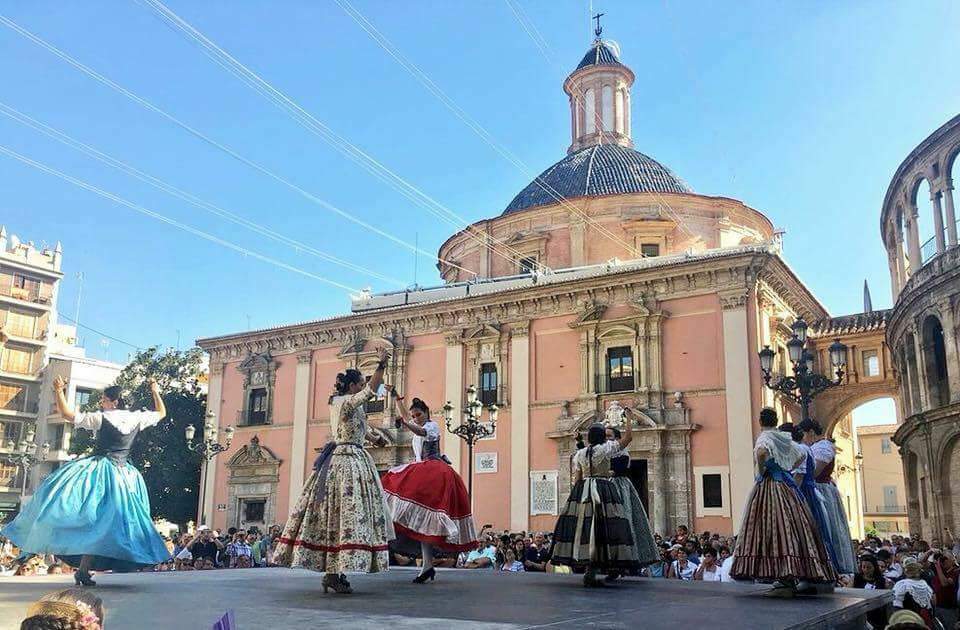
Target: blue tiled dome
[
  {"x": 596, "y": 171},
  {"x": 600, "y": 54}
]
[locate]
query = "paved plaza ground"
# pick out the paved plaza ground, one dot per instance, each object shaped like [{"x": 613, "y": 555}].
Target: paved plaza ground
[{"x": 459, "y": 599}]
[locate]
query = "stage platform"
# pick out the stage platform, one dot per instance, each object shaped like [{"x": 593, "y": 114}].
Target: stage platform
[{"x": 459, "y": 599}]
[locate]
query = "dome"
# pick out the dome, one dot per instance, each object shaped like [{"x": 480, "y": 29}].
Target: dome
[
  {"x": 597, "y": 171},
  {"x": 600, "y": 54}
]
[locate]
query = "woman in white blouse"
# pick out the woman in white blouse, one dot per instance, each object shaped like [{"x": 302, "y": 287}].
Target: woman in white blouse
[{"x": 94, "y": 512}]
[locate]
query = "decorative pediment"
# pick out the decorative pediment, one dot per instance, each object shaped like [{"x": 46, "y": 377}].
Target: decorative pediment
[
  {"x": 355, "y": 345},
  {"x": 528, "y": 236},
  {"x": 255, "y": 361},
  {"x": 647, "y": 305},
  {"x": 590, "y": 313},
  {"x": 483, "y": 331},
  {"x": 253, "y": 454}
]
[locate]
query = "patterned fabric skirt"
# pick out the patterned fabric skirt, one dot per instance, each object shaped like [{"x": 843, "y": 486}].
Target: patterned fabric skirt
[
  {"x": 595, "y": 529},
  {"x": 344, "y": 527},
  {"x": 778, "y": 537},
  {"x": 647, "y": 552},
  {"x": 839, "y": 531},
  {"x": 429, "y": 503},
  {"x": 91, "y": 506}
]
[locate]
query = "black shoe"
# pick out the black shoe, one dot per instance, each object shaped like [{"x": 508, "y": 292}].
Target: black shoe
[
  {"x": 591, "y": 581},
  {"x": 613, "y": 576},
  {"x": 429, "y": 574},
  {"x": 82, "y": 578}
]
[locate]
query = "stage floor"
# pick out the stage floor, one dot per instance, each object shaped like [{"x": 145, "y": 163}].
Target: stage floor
[{"x": 459, "y": 599}]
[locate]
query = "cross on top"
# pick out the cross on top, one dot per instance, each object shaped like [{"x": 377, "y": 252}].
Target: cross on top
[{"x": 598, "y": 29}]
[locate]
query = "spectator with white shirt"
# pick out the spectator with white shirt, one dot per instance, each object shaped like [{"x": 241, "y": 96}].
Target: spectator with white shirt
[
  {"x": 681, "y": 568},
  {"x": 709, "y": 570}
]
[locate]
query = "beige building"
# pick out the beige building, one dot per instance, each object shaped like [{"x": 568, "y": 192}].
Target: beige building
[
  {"x": 29, "y": 277},
  {"x": 884, "y": 494},
  {"x": 846, "y": 476}
]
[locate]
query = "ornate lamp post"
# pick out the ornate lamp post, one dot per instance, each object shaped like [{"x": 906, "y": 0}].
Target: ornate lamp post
[
  {"x": 25, "y": 456},
  {"x": 471, "y": 428},
  {"x": 207, "y": 449},
  {"x": 805, "y": 384}
]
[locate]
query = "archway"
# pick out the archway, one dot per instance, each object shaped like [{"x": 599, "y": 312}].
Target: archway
[
  {"x": 910, "y": 361},
  {"x": 920, "y": 199},
  {"x": 935, "y": 362},
  {"x": 950, "y": 480},
  {"x": 879, "y": 469}
]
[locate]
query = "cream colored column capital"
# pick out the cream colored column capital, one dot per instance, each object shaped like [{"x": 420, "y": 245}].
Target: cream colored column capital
[
  {"x": 301, "y": 414},
  {"x": 520, "y": 430}
]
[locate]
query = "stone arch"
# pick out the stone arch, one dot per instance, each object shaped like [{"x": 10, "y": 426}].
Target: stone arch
[
  {"x": 950, "y": 480},
  {"x": 846, "y": 405},
  {"x": 934, "y": 357},
  {"x": 909, "y": 352}
]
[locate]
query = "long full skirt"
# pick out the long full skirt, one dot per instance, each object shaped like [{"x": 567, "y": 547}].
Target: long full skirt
[
  {"x": 778, "y": 537},
  {"x": 429, "y": 503},
  {"x": 594, "y": 529},
  {"x": 647, "y": 552},
  {"x": 340, "y": 522},
  {"x": 91, "y": 506},
  {"x": 839, "y": 531}
]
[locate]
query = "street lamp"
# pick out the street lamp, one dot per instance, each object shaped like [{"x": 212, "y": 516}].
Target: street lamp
[
  {"x": 805, "y": 384},
  {"x": 207, "y": 449},
  {"x": 471, "y": 428},
  {"x": 25, "y": 456}
]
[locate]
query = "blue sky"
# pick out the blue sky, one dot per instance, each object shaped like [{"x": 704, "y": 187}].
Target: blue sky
[{"x": 802, "y": 110}]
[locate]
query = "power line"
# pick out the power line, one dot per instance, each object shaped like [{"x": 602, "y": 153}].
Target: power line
[
  {"x": 315, "y": 126},
  {"x": 474, "y": 125},
  {"x": 98, "y": 332},
  {"x": 183, "y": 226},
  {"x": 62, "y": 137},
  {"x": 198, "y": 134}
]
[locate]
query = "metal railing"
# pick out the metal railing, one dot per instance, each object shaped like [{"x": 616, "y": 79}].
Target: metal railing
[
  {"x": 889, "y": 509},
  {"x": 27, "y": 295}
]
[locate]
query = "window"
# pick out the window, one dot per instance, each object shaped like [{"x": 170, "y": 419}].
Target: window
[
  {"x": 890, "y": 498},
  {"x": 21, "y": 324},
  {"x": 488, "y": 383},
  {"x": 620, "y": 369},
  {"x": 528, "y": 264},
  {"x": 253, "y": 510},
  {"x": 83, "y": 397},
  {"x": 871, "y": 363},
  {"x": 16, "y": 360},
  {"x": 606, "y": 104},
  {"x": 56, "y": 437},
  {"x": 712, "y": 491},
  {"x": 649, "y": 250},
  {"x": 12, "y": 397},
  {"x": 590, "y": 111},
  {"x": 11, "y": 432},
  {"x": 8, "y": 473},
  {"x": 885, "y": 445},
  {"x": 257, "y": 410},
  {"x": 25, "y": 287}
]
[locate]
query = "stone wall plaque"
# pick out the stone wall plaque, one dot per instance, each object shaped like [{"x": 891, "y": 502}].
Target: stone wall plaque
[
  {"x": 485, "y": 462},
  {"x": 544, "y": 492}
]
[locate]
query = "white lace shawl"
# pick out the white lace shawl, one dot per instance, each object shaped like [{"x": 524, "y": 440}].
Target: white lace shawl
[
  {"x": 779, "y": 446},
  {"x": 918, "y": 589},
  {"x": 123, "y": 420}
]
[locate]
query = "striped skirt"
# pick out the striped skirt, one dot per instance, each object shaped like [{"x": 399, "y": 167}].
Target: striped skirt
[
  {"x": 594, "y": 529},
  {"x": 778, "y": 538}
]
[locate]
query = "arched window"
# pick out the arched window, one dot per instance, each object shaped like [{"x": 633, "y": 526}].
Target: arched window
[
  {"x": 935, "y": 362},
  {"x": 589, "y": 112},
  {"x": 926, "y": 221},
  {"x": 910, "y": 361},
  {"x": 607, "y": 107},
  {"x": 618, "y": 113}
]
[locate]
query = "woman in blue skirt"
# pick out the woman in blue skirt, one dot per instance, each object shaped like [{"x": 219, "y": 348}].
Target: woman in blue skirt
[{"x": 94, "y": 512}]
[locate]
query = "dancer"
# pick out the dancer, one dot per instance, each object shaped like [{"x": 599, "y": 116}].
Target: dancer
[
  {"x": 778, "y": 539},
  {"x": 594, "y": 531},
  {"x": 647, "y": 552},
  {"x": 824, "y": 456},
  {"x": 804, "y": 476},
  {"x": 94, "y": 511},
  {"x": 427, "y": 498},
  {"x": 340, "y": 523}
]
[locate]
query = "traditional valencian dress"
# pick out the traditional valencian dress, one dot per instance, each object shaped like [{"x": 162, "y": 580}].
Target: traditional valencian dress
[
  {"x": 340, "y": 522},
  {"x": 778, "y": 537},
  {"x": 594, "y": 528},
  {"x": 808, "y": 488},
  {"x": 836, "y": 517},
  {"x": 639, "y": 524},
  {"x": 96, "y": 505},
  {"x": 428, "y": 500}
]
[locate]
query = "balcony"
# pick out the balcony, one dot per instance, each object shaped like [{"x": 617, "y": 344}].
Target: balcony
[
  {"x": 19, "y": 405},
  {"x": 40, "y": 296},
  {"x": 888, "y": 509}
]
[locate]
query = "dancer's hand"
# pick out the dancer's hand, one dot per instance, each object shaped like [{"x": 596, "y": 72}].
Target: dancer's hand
[
  {"x": 59, "y": 384},
  {"x": 382, "y": 355},
  {"x": 154, "y": 387}
]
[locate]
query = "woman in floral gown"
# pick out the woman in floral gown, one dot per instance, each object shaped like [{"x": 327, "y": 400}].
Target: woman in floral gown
[{"x": 340, "y": 524}]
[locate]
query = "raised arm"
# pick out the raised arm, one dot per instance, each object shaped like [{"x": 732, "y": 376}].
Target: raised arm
[
  {"x": 158, "y": 405},
  {"x": 377, "y": 379},
  {"x": 405, "y": 414},
  {"x": 627, "y": 436},
  {"x": 59, "y": 395}
]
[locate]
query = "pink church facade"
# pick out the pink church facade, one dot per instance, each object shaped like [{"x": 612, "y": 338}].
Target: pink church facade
[{"x": 607, "y": 279}]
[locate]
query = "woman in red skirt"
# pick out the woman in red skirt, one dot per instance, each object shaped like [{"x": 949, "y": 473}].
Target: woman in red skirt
[{"x": 427, "y": 498}]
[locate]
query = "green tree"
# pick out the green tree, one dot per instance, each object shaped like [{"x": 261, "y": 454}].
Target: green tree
[{"x": 170, "y": 472}]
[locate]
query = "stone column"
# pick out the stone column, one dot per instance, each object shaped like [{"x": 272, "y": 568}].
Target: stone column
[
  {"x": 913, "y": 241},
  {"x": 951, "y": 217},
  {"x": 660, "y": 524},
  {"x": 921, "y": 368},
  {"x": 901, "y": 270},
  {"x": 301, "y": 414},
  {"x": 938, "y": 221},
  {"x": 520, "y": 427},
  {"x": 950, "y": 349},
  {"x": 214, "y": 404},
  {"x": 736, "y": 377},
  {"x": 453, "y": 392}
]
